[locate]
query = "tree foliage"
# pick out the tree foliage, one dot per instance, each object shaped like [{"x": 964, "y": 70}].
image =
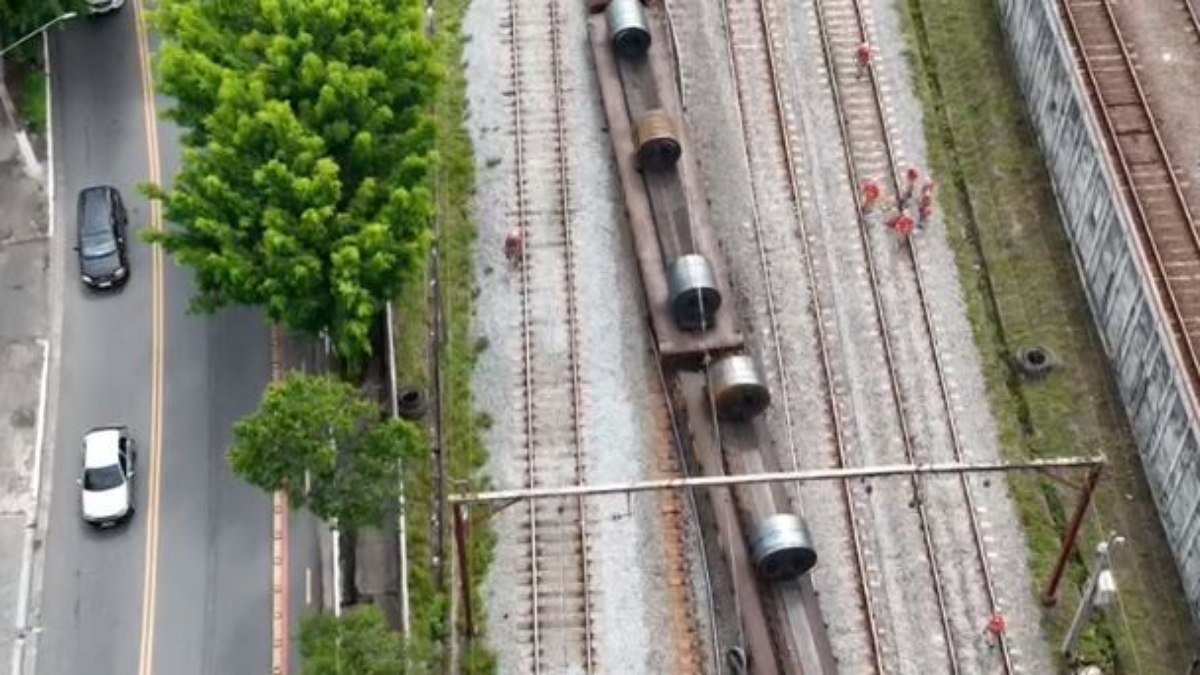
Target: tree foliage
[
  {"x": 19, "y": 17},
  {"x": 304, "y": 181},
  {"x": 358, "y": 642},
  {"x": 325, "y": 429}
]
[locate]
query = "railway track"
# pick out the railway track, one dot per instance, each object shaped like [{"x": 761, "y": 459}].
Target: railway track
[
  {"x": 1193, "y": 16},
  {"x": 754, "y": 63},
  {"x": 1164, "y": 224},
  {"x": 870, "y": 152},
  {"x": 558, "y": 630}
]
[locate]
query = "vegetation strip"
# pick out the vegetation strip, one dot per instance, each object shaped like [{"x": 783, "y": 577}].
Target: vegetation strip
[
  {"x": 1022, "y": 289},
  {"x": 432, "y": 595},
  {"x": 305, "y": 190}
]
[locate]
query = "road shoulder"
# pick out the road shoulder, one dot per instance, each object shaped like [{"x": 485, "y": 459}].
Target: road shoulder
[{"x": 25, "y": 354}]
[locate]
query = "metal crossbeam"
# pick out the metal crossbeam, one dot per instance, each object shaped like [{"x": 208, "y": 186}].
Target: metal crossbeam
[{"x": 882, "y": 471}]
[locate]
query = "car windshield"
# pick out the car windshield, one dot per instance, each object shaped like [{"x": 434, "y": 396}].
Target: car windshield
[
  {"x": 98, "y": 244},
  {"x": 104, "y": 478}
]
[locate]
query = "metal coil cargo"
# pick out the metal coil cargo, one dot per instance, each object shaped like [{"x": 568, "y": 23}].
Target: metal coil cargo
[
  {"x": 658, "y": 146},
  {"x": 782, "y": 548},
  {"x": 692, "y": 293},
  {"x": 627, "y": 27},
  {"x": 738, "y": 387}
]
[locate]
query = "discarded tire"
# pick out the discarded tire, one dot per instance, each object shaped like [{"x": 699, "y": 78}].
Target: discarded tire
[
  {"x": 1035, "y": 362},
  {"x": 410, "y": 403}
]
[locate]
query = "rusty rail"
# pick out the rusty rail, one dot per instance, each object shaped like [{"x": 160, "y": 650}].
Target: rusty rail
[
  {"x": 853, "y": 171},
  {"x": 837, "y": 424},
  {"x": 927, "y": 316},
  {"x": 1165, "y": 225},
  {"x": 894, "y": 173}
]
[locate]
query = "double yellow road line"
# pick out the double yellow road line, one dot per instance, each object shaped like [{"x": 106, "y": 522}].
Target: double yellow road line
[{"x": 151, "y": 465}]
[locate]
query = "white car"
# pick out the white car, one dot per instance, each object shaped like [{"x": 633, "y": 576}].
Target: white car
[
  {"x": 102, "y": 6},
  {"x": 109, "y": 456}
]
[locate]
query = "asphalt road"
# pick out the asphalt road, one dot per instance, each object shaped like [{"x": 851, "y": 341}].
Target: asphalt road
[{"x": 210, "y": 586}]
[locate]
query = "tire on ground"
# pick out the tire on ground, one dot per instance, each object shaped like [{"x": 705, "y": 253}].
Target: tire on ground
[{"x": 1035, "y": 362}]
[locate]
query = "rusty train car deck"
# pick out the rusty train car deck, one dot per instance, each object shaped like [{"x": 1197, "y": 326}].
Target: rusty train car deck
[{"x": 671, "y": 204}]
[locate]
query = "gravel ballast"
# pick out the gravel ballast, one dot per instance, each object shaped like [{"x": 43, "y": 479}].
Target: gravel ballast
[
  {"x": 620, "y": 403},
  {"x": 902, "y": 592}
]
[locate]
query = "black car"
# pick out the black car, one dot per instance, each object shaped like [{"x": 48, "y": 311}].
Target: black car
[{"x": 102, "y": 225}]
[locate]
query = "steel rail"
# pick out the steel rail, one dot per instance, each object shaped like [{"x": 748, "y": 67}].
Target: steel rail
[
  {"x": 693, "y": 523},
  {"x": 881, "y": 317},
  {"x": 927, "y": 317},
  {"x": 572, "y": 323},
  {"x": 1125, "y": 165},
  {"x": 526, "y": 346},
  {"x": 676, "y": 428},
  {"x": 1192, "y": 16},
  {"x": 523, "y": 212},
  {"x": 772, "y": 311},
  {"x": 817, "y": 311}
]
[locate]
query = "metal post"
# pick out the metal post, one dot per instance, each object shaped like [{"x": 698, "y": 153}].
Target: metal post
[
  {"x": 464, "y": 570},
  {"x": 402, "y": 516},
  {"x": 336, "y": 554},
  {"x": 1050, "y": 593},
  {"x": 1097, "y": 593}
]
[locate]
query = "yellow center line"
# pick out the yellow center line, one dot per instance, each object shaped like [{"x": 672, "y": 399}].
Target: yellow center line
[{"x": 152, "y": 466}]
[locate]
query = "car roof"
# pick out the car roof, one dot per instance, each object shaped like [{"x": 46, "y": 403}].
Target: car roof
[
  {"x": 100, "y": 447},
  {"x": 96, "y": 202}
]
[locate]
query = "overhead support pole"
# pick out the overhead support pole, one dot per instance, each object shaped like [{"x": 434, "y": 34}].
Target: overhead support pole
[
  {"x": 464, "y": 569},
  {"x": 1050, "y": 593}
]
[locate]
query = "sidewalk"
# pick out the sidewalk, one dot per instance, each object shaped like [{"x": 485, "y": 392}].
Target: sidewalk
[
  {"x": 24, "y": 349},
  {"x": 375, "y": 571}
]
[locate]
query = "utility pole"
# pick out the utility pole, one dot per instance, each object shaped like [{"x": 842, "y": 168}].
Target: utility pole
[
  {"x": 1100, "y": 590},
  {"x": 18, "y": 43}
]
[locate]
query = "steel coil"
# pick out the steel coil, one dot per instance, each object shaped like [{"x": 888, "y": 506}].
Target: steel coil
[
  {"x": 692, "y": 292},
  {"x": 657, "y": 140},
  {"x": 782, "y": 548},
  {"x": 628, "y": 29},
  {"x": 738, "y": 387}
]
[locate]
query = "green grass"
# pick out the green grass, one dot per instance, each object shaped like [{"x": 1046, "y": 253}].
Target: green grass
[
  {"x": 1021, "y": 288},
  {"x": 454, "y": 184},
  {"x": 33, "y": 101},
  {"x": 27, "y": 81}
]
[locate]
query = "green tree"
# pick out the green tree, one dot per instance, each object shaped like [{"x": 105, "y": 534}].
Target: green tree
[
  {"x": 309, "y": 145},
  {"x": 319, "y": 428},
  {"x": 18, "y": 17},
  {"x": 358, "y": 642}
]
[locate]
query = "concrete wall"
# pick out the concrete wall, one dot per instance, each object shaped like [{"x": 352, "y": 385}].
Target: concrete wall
[{"x": 1124, "y": 306}]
